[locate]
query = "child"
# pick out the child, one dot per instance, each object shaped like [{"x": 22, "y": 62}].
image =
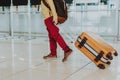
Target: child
[{"x": 50, "y": 20}]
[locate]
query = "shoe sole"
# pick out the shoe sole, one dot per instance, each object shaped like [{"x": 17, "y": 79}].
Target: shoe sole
[{"x": 65, "y": 58}]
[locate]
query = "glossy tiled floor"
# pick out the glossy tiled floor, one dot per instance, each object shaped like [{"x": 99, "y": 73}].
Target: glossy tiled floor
[{"x": 22, "y": 60}]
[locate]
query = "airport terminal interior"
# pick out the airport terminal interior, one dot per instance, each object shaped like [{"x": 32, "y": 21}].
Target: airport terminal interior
[{"x": 24, "y": 41}]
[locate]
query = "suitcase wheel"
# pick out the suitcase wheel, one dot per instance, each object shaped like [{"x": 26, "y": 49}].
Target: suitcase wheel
[
  {"x": 109, "y": 56},
  {"x": 101, "y": 66},
  {"x": 108, "y": 62},
  {"x": 116, "y": 54}
]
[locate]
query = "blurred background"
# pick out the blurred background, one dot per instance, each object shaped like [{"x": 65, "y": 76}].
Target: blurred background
[{"x": 23, "y": 18}]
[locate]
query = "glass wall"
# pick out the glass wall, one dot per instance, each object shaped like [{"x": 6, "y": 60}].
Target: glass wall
[
  {"x": 4, "y": 21},
  {"x": 98, "y": 16}
]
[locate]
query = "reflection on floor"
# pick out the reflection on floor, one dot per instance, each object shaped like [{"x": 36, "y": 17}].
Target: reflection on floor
[{"x": 22, "y": 60}]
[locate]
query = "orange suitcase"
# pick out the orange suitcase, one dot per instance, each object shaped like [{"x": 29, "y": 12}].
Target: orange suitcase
[{"x": 90, "y": 44}]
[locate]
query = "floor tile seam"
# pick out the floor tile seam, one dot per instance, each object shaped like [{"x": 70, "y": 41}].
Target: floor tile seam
[
  {"x": 78, "y": 70},
  {"x": 16, "y": 73},
  {"x": 46, "y": 70},
  {"x": 48, "y": 61},
  {"x": 26, "y": 69},
  {"x": 37, "y": 65}
]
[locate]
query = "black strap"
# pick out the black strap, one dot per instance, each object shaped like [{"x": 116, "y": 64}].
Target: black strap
[{"x": 46, "y": 4}]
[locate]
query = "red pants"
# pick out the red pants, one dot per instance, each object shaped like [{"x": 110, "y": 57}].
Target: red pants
[{"x": 55, "y": 37}]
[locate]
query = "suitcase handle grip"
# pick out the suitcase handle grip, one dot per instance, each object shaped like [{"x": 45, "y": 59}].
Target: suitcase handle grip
[
  {"x": 100, "y": 55},
  {"x": 82, "y": 42}
]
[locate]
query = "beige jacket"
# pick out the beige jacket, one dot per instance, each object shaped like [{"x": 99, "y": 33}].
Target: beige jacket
[{"x": 46, "y": 12}]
